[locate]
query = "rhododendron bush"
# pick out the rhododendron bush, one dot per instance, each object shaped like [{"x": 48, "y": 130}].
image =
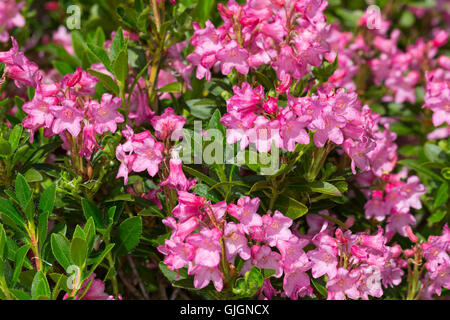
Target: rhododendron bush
[{"x": 252, "y": 149}]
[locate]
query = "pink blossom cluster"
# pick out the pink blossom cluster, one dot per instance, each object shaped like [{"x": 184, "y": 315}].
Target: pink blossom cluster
[
  {"x": 356, "y": 265},
  {"x": 142, "y": 152},
  {"x": 436, "y": 251},
  {"x": 332, "y": 115},
  {"x": 64, "y": 108},
  {"x": 10, "y": 17},
  {"x": 288, "y": 35},
  {"x": 400, "y": 70},
  {"x": 202, "y": 238},
  {"x": 394, "y": 202},
  {"x": 207, "y": 239},
  {"x": 437, "y": 98}
]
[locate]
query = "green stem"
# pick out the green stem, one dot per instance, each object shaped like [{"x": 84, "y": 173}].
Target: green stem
[{"x": 110, "y": 259}]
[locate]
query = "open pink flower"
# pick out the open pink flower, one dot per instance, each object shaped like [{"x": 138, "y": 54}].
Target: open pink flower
[
  {"x": 105, "y": 114},
  {"x": 67, "y": 117},
  {"x": 168, "y": 123},
  {"x": 149, "y": 155}
]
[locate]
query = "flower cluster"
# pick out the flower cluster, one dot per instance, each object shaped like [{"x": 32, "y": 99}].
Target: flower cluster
[
  {"x": 356, "y": 265},
  {"x": 66, "y": 108},
  {"x": 395, "y": 203},
  {"x": 10, "y": 17},
  {"x": 142, "y": 152},
  {"x": 288, "y": 35},
  {"x": 437, "y": 98},
  {"x": 204, "y": 241},
  {"x": 333, "y": 115},
  {"x": 436, "y": 251}
]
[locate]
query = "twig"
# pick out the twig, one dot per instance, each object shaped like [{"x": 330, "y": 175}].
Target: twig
[
  {"x": 136, "y": 274},
  {"x": 129, "y": 286},
  {"x": 174, "y": 294}
]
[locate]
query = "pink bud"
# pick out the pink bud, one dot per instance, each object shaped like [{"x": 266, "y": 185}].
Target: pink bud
[
  {"x": 271, "y": 105},
  {"x": 411, "y": 234}
]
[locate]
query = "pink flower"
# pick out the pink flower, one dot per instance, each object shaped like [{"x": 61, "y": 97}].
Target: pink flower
[
  {"x": 246, "y": 212},
  {"x": 344, "y": 284},
  {"x": 126, "y": 163},
  {"x": 236, "y": 242},
  {"x": 264, "y": 258},
  {"x": 276, "y": 228},
  {"x": 292, "y": 254},
  {"x": 67, "y": 117},
  {"x": 38, "y": 111},
  {"x": 293, "y": 131},
  {"x": 296, "y": 283},
  {"x": 168, "y": 123},
  {"x": 10, "y": 17},
  {"x": 80, "y": 83},
  {"x": 231, "y": 56},
  {"x": 376, "y": 207},
  {"x": 62, "y": 37},
  {"x": 178, "y": 254},
  {"x": 398, "y": 222},
  {"x": 331, "y": 129},
  {"x": 203, "y": 275},
  {"x": 96, "y": 290},
  {"x": 189, "y": 205},
  {"x": 149, "y": 155},
  {"x": 324, "y": 261},
  {"x": 176, "y": 179},
  {"x": 105, "y": 115},
  {"x": 208, "y": 249}
]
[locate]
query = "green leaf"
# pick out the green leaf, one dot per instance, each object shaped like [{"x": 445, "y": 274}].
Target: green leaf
[
  {"x": 129, "y": 232},
  {"x": 33, "y": 175},
  {"x": 61, "y": 249},
  {"x": 14, "y": 136},
  {"x": 264, "y": 80},
  {"x": 5, "y": 148},
  {"x": 47, "y": 200},
  {"x": 172, "y": 276},
  {"x": 100, "y": 258},
  {"x": 437, "y": 216},
  {"x": 290, "y": 207},
  {"x": 433, "y": 153},
  {"x": 319, "y": 287},
  {"x": 40, "y": 286},
  {"x": 2, "y": 249},
  {"x": 23, "y": 191},
  {"x": 106, "y": 81},
  {"x": 79, "y": 251},
  {"x": 254, "y": 279},
  {"x": 20, "y": 294},
  {"x": 203, "y": 10},
  {"x": 42, "y": 227},
  {"x": 63, "y": 67},
  {"x": 171, "y": 87},
  {"x": 414, "y": 164},
  {"x": 318, "y": 186},
  {"x": 8, "y": 209},
  {"x": 19, "y": 261},
  {"x": 201, "y": 108},
  {"x": 325, "y": 71},
  {"x": 90, "y": 210},
  {"x": 118, "y": 44},
  {"x": 200, "y": 176},
  {"x": 267, "y": 273},
  {"x": 120, "y": 66},
  {"x": 152, "y": 211},
  {"x": 441, "y": 195},
  {"x": 100, "y": 54}
]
